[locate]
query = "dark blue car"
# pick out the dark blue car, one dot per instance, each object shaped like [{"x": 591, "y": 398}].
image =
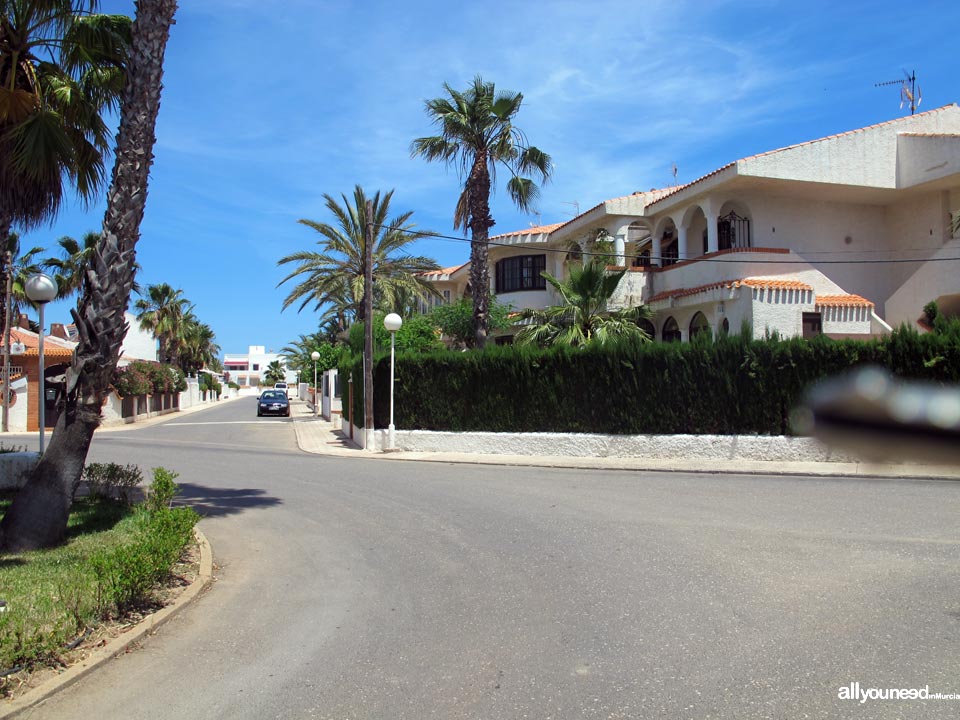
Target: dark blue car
[{"x": 273, "y": 402}]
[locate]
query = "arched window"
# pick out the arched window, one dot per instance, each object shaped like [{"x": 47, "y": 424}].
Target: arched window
[
  {"x": 648, "y": 328},
  {"x": 733, "y": 231},
  {"x": 671, "y": 331},
  {"x": 699, "y": 325},
  {"x": 725, "y": 327}
]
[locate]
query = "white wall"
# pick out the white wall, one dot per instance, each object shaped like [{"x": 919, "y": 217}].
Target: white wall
[{"x": 137, "y": 344}]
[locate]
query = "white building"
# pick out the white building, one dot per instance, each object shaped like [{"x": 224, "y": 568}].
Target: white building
[
  {"x": 846, "y": 235},
  {"x": 249, "y": 370}
]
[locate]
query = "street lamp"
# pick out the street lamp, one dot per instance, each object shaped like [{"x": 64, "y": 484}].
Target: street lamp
[
  {"x": 392, "y": 323},
  {"x": 316, "y": 391},
  {"x": 40, "y": 290}
]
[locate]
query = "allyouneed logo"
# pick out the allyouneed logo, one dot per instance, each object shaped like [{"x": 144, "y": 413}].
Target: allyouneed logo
[{"x": 854, "y": 691}]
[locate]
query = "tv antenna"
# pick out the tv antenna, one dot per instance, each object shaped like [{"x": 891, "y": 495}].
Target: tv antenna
[
  {"x": 910, "y": 92},
  {"x": 576, "y": 207},
  {"x": 674, "y": 169}
]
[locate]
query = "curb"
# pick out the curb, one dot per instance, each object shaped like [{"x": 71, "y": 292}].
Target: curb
[
  {"x": 320, "y": 444},
  {"x": 119, "y": 645}
]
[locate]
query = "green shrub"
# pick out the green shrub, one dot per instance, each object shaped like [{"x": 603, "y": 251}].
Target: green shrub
[
  {"x": 126, "y": 574},
  {"x": 730, "y": 385},
  {"x": 110, "y": 480},
  {"x": 162, "y": 490},
  {"x": 131, "y": 381}
]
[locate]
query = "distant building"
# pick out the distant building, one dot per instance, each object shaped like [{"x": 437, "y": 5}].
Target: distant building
[{"x": 249, "y": 370}]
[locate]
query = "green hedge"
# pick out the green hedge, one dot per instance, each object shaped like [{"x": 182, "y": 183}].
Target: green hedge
[{"x": 731, "y": 385}]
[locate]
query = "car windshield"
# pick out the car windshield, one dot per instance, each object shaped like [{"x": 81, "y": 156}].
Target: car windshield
[{"x": 273, "y": 395}]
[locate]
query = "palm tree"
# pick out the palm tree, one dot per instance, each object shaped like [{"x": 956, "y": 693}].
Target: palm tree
[
  {"x": 22, "y": 266},
  {"x": 335, "y": 273},
  {"x": 61, "y": 69},
  {"x": 274, "y": 373},
  {"x": 477, "y": 135},
  {"x": 69, "y": 268},
  {"x": 162, "y": 312},
  {"x": 38, "y": 516},
  {"x": 583, "y": 317},
  {"x": 196, "y": 346}
]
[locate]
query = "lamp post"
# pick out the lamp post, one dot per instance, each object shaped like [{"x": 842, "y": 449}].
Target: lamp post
[
  {"x": 392, "y": 323},
  {"x": 40, "y": 290},
  {"x": 316, "y": 391}
]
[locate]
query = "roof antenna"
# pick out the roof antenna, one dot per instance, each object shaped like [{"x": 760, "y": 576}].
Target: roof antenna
[
  {"x": 576, "y": 207},
  {"x": 910, "y": 92},
  {"x": 675, "y": 170}
]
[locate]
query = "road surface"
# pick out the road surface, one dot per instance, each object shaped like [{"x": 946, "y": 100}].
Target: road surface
[{"x": 350, "y": 588}]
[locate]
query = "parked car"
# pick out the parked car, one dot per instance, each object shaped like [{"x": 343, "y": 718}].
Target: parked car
[
  {"x": 282, "y": 386},
  {"x": 273, "y": 402}
]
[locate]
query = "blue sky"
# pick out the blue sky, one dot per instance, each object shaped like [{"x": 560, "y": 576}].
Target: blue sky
[{"x": 269, "y": 104}]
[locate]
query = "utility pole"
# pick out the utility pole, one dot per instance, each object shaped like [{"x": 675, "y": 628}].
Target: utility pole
[{"x": 368, "y": 430}]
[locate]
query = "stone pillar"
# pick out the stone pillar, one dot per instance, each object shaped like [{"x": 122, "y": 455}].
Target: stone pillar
[
  {"x": 682, "y": 243},
  {"x": 620, "y": 248},
  {"x": 713, "y": 240},
  {"x": 657, "y": 251}
]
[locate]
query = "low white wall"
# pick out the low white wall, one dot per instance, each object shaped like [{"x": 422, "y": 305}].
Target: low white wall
[
  {"x": 659, "y": 447},
  {"x": 17, "y": 417},
  {"x": 15, "y": 468}
]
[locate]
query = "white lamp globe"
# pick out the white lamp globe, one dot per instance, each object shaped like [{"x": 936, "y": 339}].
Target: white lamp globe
[
  {"x": 392, "y": 322},
  {"x": 314, "y": 356},
  {"x": 41, "y": 288}
]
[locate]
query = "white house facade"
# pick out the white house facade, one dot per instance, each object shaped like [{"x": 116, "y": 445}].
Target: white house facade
[
  {"x": 250, "y": 370},
  {"x": 847, "y": 236}
]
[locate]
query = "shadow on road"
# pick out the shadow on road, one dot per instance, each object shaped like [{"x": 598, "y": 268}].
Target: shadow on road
[{"x": 219, "y": 502}]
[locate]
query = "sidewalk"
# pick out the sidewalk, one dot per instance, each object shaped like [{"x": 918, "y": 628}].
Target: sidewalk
[{"x": 317, "y": 436}]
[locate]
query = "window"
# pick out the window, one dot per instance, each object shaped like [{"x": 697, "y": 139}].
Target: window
[
  {"x": 671, "y": 331},
  {"x": 446, "y": 297},
  {"x": 256, "y": 367},
  {"x": 699, "y": 325},
  {"x": 812, "y": 325},
  {"x": 669, "y": 251},
  {"x": 733, "y": 231},
  {"x": 521, "y": 273},
  {"x": 647, "y": 327}
]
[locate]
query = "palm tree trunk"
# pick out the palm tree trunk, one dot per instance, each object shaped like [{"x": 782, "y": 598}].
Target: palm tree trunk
[
  {"x": 6, "y": 224},
  {"x": 478, "y": 194},
  {"x": 38, "y": 516}
]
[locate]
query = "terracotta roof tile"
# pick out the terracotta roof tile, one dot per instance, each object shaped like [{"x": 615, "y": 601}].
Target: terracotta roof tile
[
  {"x": 770, "y": 284},
  {"x": 756, "y": 283},
  {"x": 52, "y": 346},
  {"x": 441, "y": 271},
  {"x": 536, "y": 230},
  {"x": 842, "y": 301}
]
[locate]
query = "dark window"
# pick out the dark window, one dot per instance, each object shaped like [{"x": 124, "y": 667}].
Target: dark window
[
  {"x": 668, "y": 249},
  {"x": 733, "y": 231},
  {"x": 812, "y": 325},
  {"x": 699, "y": 325},
  {"x": 671, "y": 331},
  {"x": 521, "y": 273}
]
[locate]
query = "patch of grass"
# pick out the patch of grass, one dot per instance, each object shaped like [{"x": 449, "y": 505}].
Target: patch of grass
[{"x": 110, "y": 564}]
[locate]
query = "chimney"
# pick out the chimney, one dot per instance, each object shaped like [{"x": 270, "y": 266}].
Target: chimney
[
  {"x": 59, "y": 331},
  {"x": 23, "y": 322}
]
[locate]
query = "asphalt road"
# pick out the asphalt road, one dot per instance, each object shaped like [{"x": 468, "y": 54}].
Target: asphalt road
[{"x": 353, "y": 589}]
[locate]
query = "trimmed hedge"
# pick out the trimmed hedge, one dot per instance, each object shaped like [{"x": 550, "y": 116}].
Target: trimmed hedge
[{"x": 731, "y": 385}]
